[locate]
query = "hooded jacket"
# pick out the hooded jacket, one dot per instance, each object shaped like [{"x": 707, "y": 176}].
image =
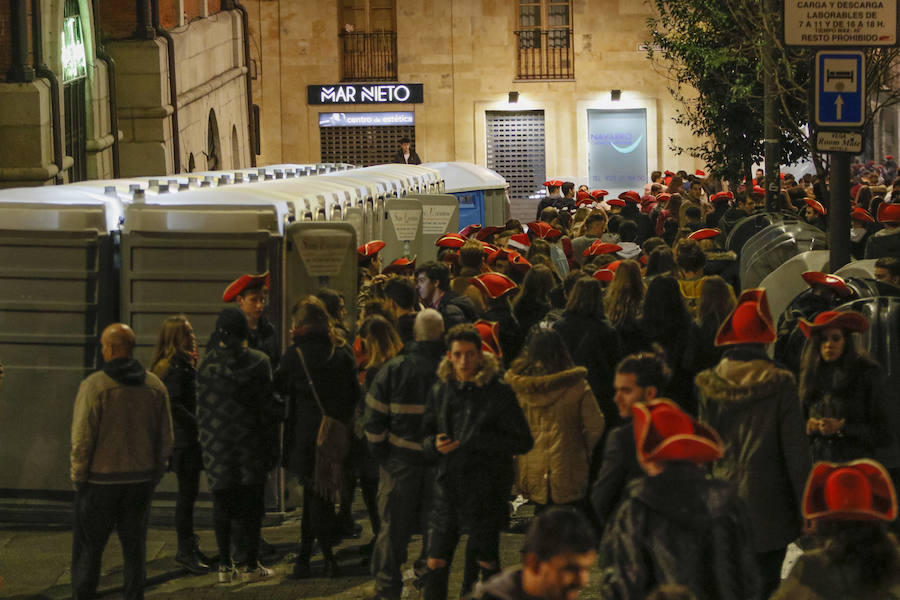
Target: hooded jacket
[
  {"x": 180, "y": 379},
  {"x": 683, "y": 527},
  {"x": 472, "y": 483},
  {"x": 121, "y": 426},
  {"x": 754, "y": 406},
  {"x": 566, "y": 424}
]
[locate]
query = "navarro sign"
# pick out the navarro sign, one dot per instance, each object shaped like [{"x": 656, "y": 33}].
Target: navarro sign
[{"x": 366, "y": 93}]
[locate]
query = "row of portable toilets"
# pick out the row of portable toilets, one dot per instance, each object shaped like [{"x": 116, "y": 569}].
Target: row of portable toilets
[{"x": 74, "y": 258}]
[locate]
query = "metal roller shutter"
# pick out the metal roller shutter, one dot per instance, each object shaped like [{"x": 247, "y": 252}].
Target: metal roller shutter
[
  {"x": 515, "y": 149},
  {"x": 363, "y": 146}
]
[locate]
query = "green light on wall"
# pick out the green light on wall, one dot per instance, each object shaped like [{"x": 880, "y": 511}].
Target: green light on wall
[{"x": 74, "y": 63}]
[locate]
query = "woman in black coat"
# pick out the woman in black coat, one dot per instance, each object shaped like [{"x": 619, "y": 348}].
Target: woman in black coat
[
  {"x": 333, "y": 371},
  {"x": 841, "y": 390},
  {"x": 533, "y": 301}
]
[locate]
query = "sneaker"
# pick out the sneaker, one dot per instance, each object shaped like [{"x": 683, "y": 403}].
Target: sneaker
[
  {"x": 227, "y": 573},
  {"x": 256, "y": 573},
  {"x": 189, "y": 561}
]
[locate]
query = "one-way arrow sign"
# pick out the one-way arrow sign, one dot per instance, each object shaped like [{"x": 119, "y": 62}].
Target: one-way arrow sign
[{"x": 840, "y": 88}]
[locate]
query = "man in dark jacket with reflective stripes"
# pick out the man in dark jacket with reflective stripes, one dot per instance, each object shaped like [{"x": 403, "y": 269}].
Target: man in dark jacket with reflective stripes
[{"x": 393, "y": 423}]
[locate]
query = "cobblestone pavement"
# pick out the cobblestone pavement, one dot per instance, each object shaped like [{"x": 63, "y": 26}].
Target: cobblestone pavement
[{"x": 34, "y": 562}]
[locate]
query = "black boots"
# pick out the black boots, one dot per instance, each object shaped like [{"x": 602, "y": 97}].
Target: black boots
[{"x": 190, "y": 557}]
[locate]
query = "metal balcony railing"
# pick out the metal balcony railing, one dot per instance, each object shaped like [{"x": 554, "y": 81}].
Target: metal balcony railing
[
  {"x": 368, "y": 56},
  {"x": 545, "y": 54}
]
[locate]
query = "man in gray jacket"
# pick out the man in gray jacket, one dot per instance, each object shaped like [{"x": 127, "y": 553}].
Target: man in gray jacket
[{"x": 121, "y": 442}]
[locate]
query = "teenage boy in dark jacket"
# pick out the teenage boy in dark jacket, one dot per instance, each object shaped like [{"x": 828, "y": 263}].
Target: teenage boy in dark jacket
[{"x": 472, "y": 428}]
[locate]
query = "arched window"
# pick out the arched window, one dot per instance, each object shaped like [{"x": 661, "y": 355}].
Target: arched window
[
  {"x": 74, "y": 76},
  {"x": 213, "y": 145},
  {"x": 235, "y": 149}
]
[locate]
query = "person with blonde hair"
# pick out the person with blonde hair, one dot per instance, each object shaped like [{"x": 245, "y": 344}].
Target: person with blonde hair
[
  {"x": 622, "y": 304},
  {"x": 174, "y": 361}
]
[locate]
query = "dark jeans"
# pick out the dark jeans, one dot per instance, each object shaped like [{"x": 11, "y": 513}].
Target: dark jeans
[
  {"x": 400, "y": 493},
  {"x": 187, "y": 468},
  {"x": 482, "y": 546},
  {"x": 769, "y": 564},
  {"x": 98, "y": 510},
  {"x": 236, "y": 513},
  {"x": 318, "y": 522}
]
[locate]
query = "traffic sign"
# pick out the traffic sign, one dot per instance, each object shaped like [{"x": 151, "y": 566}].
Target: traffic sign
[
  {"x": 825, "y": 23},
  {"x": 839, "y": 141},
  {"x": 840, "y": 88}
]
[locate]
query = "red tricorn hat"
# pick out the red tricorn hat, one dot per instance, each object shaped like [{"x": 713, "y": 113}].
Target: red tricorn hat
[
  {"x": 599, "y": 194},
  {"x": 664, "y": 432},
  {"x": 832, "y": 281},
  {"x": 614, "y": 265},
  {"x": 889, "y": 157},
  {"x": 860, "y": 214},
  {"x": 860, "y": 490},
  {"x": 518, "y": 262},
  {"x": 721, "y": 197},
  {"x": 490, "y": 336},
  {"x": 648, "y": 199},
  {"x": 589, "y": 201},
  {"x": 668, "y": 173},
  {"x": 545, "y": 231},
  {"x": 520, "y": 241},
  {"x": 599, "y": 247},
  {"x": 470, "y": 229},
  {"x": 699, "y": 173},
  {"x": 582, "y": 195},
  {"x": 401, "y": 266},
  {"x": 630, "y": 196},
  {"x": 616, "y": 202},
  {"x": 483, "y": 233},
  {"x": 705, "y": 233},
  {"x": 847, "y": 320},
  {"x": 816, "y": 205},
  {"x": 450, "y": 240},
  {"x": 604, "y": 275},
  {"x": 370, "y": 249},
  {"x": 758, "y": 191},
  {"x": 553, "y": 183},
  {"x": 888, "y": 213},
  {"x": 750, "y": 322},
  {"x": 493, "y": 255},
  {"x": 664, "y": 197},
  {"x": 246, "y": 282},
  {"x": 493, "y": 284}
]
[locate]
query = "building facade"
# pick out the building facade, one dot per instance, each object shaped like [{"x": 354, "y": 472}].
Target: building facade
[
  {"x": 97, "y": 90},
  {"x": 531, "y": 88}
]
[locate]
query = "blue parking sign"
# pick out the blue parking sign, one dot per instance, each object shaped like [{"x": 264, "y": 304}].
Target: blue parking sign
[{"x": 840, "y": 88}]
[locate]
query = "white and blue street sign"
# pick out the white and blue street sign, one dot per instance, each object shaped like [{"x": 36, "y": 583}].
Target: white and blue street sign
[{"x": 840, "y": 88}]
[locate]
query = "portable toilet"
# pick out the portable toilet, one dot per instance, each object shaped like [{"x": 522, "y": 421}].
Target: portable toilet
[{"x": 482, "y": 193}]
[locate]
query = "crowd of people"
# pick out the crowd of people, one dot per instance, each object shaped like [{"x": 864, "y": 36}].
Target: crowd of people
[{"x": 596, "y": 362}]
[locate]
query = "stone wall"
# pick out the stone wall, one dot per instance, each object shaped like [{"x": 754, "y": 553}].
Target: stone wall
[{"x": 463, "y": 51}]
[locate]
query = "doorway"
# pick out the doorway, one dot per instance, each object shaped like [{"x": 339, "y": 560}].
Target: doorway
[{"x": 516, "y": 150}]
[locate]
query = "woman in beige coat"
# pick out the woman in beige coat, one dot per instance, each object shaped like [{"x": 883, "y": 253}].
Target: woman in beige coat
[{"x": 564, "y": 418}]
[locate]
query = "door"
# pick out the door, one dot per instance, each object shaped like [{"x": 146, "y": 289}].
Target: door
[{"x": 617, "y": 150}]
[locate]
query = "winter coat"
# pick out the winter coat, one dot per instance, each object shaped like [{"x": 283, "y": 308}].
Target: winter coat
[
  {"x": 529, "y": 312},
  {"x": 683, "y": 348},
  {"x": 884, "y": 243},
  {"x": 460, "y": 286},
  {"x": 180, "y": 379},
  {"x": 679, "y": 527},
  {"x": 595, "y": 345},
  {"x": 731, "y": 218},
  {"x": 265, "y": 339},
  {"x": 456, "y": 309},
  {"x": 854, "y": 394},
  {"x": 471, "y": 485},
  {"x": 511, "y": 335},
  {"x": 566, "y": 424},
  {"x": 334, "y": 376},
  {"x": 121, "y": 426},
  {"x": 237, "y": 416},
  {"x": 753, "y": 405},
  {"x": 617, "y": 469},
  {"x": 815, "y": 576},
  {"x": 395, "y": 402}
]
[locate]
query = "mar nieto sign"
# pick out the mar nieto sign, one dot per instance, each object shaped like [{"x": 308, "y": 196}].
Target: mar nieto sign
[{"x": 366, "y": 93}]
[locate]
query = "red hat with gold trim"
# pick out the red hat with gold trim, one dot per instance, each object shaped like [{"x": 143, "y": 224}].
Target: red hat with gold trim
[
  {"x": 664, "y": 432},
  {"x": 493, "y": 284},
  {"x": 616, "y": 202},
  {"x": 815, "y": 205},
  {"x": 758, "y": 191},
  {"x": 888, "y": 213},
  {"x": 589, "y": 201},
  {"x": 599, "y": 195},
  {"x": 648, "y": 199},
  {"x": 630, "y": 196},
  {"x": 246, "y": 282},
  {"x": 494, "y": 255},
  {"x": 831, "y": 281},
  {"x": 664, "y": 197},
  {"x": 860, "y": 214},
  {"x": 614, "y": 265},
  {"x": 401, "y": 266},
  {"x": 450, "y": 240},
  {"x": 860, "y": 490},
  {"x": 485, "y": 232},
  {"x": 721, "y": 197},
  {"x": 490, "y": 336},
  {"x": 369, "y": 249},
  {"x": 705, "y": 233},
  {"x": 750, "y": 322},
  {"x": 470, "y": 229},
  {"x": 582, "y": 195},
  {"x": 518, "y": 262},
  {"x": 604, "y": 275},
  {"x": 846, "y": 320},
  {"x": 600, "y": 247},
  {"x": 545, "y": 231},
  {"x": 553, "y": 183}
]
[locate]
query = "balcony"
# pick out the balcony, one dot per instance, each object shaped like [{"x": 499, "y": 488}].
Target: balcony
[
  {"x": 544, "y": 54},
  {"x": 368, "y": 56}
]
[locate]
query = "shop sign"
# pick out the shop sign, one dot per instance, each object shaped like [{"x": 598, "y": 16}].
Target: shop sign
[
  {"x": 366, "y": 93},
  {"x": 366, "y": 119}
]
